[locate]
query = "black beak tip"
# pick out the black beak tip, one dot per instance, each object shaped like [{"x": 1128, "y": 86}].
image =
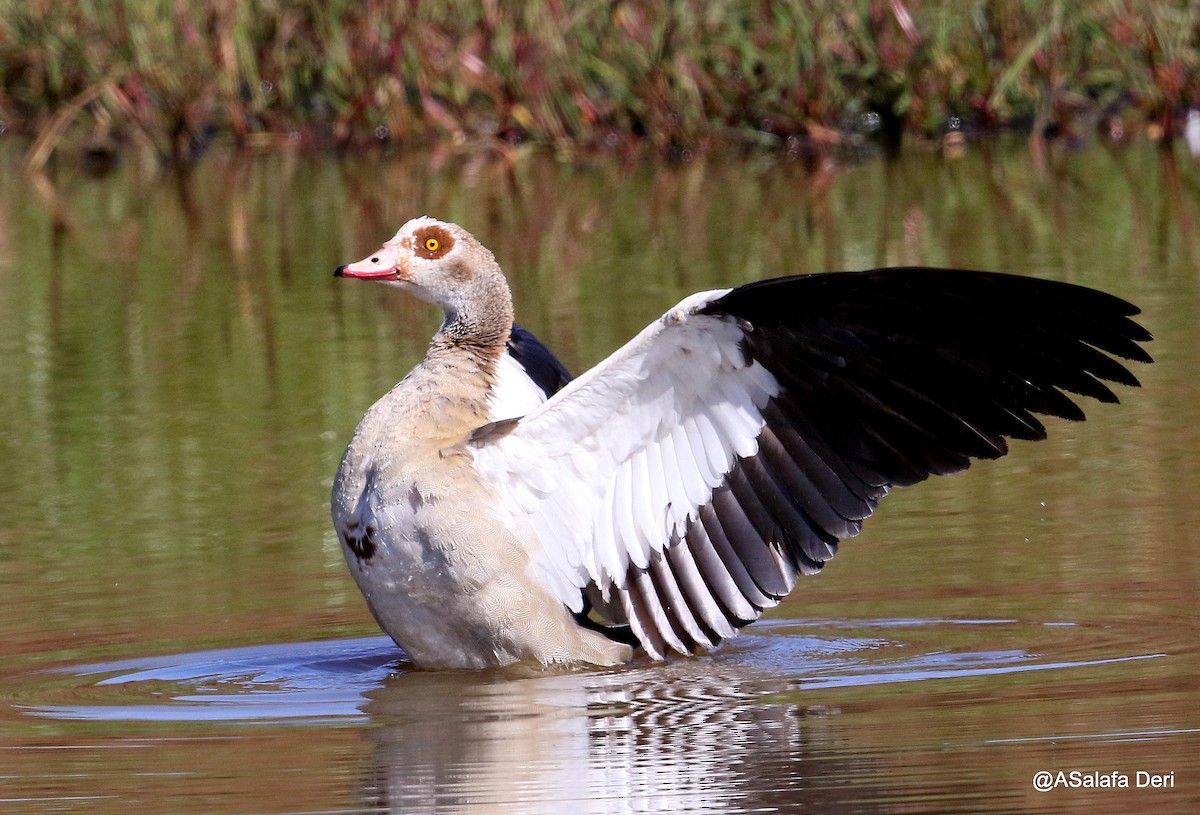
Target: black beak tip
[{"x": 340, "y": 271}]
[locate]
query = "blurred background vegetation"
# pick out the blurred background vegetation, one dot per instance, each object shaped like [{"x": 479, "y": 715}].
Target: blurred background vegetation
[{"x": 803, "y": 77}]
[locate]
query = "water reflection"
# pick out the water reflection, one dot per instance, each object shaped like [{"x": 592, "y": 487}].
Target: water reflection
[{"x": 693, "y": 737}]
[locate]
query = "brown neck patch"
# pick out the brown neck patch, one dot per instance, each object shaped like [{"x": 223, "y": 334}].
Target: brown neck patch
[{"x": 432, "y": 242}]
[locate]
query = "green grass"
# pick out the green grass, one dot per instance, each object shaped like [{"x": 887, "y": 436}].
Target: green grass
[{"x": 676, "y": 75}]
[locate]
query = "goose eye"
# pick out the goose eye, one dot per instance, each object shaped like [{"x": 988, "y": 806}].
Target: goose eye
[{"x": 432, "y": 244}]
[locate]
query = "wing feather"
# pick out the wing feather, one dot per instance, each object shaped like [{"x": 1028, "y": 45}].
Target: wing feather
[
  {"x": 749, "y": 529},
  {"x": 677, "y": 498},
  {"x": 699, "y": 594},
  {"x": 624, "y": 534},
  {"x": 749, "y": 554},
  {"x": 654, "y": 616},
  {"x": 675, "y": 606},
  {"x": 688, "y": 466},
  {"x": 717, "y": 453},
  {"x": 690, "y": 477},
  {"x": 659, "y": 500},
  {"x": 641, "y": 507},
  {"x": 723, "y": 578},
  {"x": 605, "y": 561}
]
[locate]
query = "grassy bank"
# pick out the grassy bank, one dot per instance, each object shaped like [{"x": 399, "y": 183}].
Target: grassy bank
[{"x": 677, "y": 75}]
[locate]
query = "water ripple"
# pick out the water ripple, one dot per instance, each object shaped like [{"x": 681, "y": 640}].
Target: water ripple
[
  {"x": 334, "y": 681},
  {"x": 313, "y": 681}
]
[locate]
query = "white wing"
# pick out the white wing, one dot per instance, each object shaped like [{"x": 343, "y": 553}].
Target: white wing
[{"x": 686, "y": 480}]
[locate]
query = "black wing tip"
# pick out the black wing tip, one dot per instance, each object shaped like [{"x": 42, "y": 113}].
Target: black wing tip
[
  {"x": 1137, "y": 353},
  {"x": 1093, "y": 316},
  {"x": 915, "y": 371}
]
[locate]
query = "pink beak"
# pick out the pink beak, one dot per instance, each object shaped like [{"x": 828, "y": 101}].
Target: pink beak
[{"x": 381, "y": 264}]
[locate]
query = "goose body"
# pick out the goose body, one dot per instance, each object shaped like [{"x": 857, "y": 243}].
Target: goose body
[{"x": 494, "y": 511}]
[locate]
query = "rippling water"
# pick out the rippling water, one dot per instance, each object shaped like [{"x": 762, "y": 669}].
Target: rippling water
[{"x": 178, "y": 632}]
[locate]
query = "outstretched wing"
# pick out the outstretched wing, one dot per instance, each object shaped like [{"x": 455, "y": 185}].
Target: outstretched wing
[{"x": 686, "y": 480}]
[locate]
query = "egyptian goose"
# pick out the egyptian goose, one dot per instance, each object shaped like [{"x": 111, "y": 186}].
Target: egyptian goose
[{"x": 494, "y": 511}]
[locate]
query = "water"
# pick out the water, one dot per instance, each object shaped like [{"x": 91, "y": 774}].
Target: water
[{"x": 178, "y": 632}]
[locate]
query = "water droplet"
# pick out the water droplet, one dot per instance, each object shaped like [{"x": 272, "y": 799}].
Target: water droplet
[
  {"x": 266, "y": 86},
  {"x": 382, "y": 133},
  {"x": 954, "y": 123}
]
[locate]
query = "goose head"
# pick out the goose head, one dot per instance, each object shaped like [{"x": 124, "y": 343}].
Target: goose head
[{"x": 443, "y": 264}]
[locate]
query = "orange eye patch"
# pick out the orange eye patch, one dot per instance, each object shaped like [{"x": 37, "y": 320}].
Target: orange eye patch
[{"x": 433, "y": 242}]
